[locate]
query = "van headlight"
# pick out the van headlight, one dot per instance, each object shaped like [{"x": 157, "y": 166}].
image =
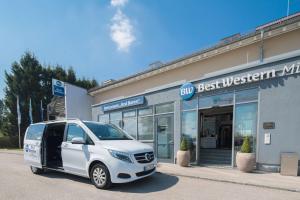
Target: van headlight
[{"x": 120, "y": 155}]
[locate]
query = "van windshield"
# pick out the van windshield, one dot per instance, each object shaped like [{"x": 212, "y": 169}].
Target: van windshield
[{"x": 107, "y": 131}]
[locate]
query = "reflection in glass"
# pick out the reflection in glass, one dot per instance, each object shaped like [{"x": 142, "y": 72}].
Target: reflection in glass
[
  {"x": 189, "y": 105},
  {"x": 164, "y": 108},
  {"x": 130, "y": 126},
  {"x": 104, "y": 118},
  {"x": 131, "y": 113},
  {"x": 216, "y": 100},
  {"x": 245, "y": 125},
  {"x": 145, "y": 111},
  {"x": 164, "y": 130},
  {"x": 116, "y": 118},
  {"x": 246, "y": 95},
  {"x": 145, "y": 128},
  {"x": 189, "y": 130}
]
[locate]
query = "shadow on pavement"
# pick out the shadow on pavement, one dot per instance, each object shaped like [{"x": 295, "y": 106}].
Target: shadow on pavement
[
  {"x": 154, "y": 183},
  {"x": 61, "y": 175}
]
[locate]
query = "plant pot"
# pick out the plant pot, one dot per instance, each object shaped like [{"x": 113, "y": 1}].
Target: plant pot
[
  {"x": 245, "y": 162},
  {"x": 183, "y": 158}
]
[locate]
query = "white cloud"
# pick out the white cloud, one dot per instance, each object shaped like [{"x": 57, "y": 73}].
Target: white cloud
[
  {"x": 121, "y": 31},
  {"x": 118, "y": 3}
]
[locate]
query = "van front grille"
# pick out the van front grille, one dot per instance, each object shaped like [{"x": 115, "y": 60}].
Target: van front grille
[{"x": 145, "y": 157}]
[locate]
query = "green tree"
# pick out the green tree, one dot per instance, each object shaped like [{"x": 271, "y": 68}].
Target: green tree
[
  {"x": 1, "y": 114},
  {"x": 71, "y": 76},
  {"x": 29, "y": 79},
  {"x": 23, "y": 81}
]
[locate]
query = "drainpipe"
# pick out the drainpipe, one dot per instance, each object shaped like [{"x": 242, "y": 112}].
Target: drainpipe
[{"x": 261, "y": 53}]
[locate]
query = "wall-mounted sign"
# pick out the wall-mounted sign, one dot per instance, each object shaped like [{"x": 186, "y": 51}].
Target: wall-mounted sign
[
  {"x": 58, "y": 88},
  {"x": 267, "y": 139},
  {"x": 134, "y": 101},
  {"x": 187, "y": 91},
  {"x": 248, "y": 78},
  {"x": 269, "y": 125}
]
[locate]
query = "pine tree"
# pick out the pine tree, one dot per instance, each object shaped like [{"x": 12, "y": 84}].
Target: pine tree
[{"x": 29, "y": 79}]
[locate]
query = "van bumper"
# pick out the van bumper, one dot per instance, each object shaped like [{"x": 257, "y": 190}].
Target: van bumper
[{"x": 128, "y": 172}]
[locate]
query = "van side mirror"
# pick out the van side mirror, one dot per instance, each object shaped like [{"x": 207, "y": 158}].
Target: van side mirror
[{"x": 77, "y": 140}]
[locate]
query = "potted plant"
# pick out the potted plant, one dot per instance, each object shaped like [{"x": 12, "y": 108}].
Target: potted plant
[
  {"x": 245, "y": 159},
  {"x": 183, "y": 155}
]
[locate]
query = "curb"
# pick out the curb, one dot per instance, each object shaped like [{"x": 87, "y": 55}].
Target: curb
[
  {"x": 233, "y": 182},
  {"x": 12, "y": 152}
]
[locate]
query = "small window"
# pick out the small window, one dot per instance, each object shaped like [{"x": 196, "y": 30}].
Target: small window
[
  {"x": 189, "y": 105},
  {"x": 216, "y": 100},
  {"x": 114, "y": 116},
  {"x": 104, "y": 118},
  {"x": 164, "y": 108},
  {"x": 129, "y": 113},
  {"x": 145, "y": 111},
  {"x": 246, "y": 95},
  {"x": 145, "y": 128},
  {"x": 35, "y": 132},
  {"x": 75, "y": 130}
]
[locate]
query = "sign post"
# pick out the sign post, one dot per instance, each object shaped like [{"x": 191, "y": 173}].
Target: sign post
[{"x": 19, "y": 120}]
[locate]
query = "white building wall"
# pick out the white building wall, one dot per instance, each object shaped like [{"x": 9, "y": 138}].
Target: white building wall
[{"x": 77, "y": 102}]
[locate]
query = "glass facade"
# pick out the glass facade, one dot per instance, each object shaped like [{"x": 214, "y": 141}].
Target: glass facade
[
  {"x": 116, "y": 118},
  {"x": 246, "y": 95},
  {"x": 244, "y": 104},
  {"x": 164, "y": 108},
  {"x": 165, "y": 133},
  {"x": 145, "y": 128},
  {"x": 153, "y": 125},
  {"x": 245, "y": 124},
  {"x": 216, "y": 100},
  {"x": 103, "y": 118},
  {"x": 189, "y": 130},
  {"x": 130, "y": 123},
  {"x": 189, "y": 105}
]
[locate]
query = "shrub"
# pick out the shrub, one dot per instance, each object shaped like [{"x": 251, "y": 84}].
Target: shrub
[
  {"x": 8, "y": 142},
  {"x": 184, "y": 144},
  {"x": 246, "y": 147}
]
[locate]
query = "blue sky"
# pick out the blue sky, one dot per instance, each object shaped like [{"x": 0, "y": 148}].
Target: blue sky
[{"x": 105, "y": 39}]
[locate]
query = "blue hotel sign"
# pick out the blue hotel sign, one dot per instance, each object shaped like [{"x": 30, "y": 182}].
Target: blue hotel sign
[
  {"x": 187, "y": 91},
  {"x": 58, "y": 88},
  {"x": 134, "y": 101}
]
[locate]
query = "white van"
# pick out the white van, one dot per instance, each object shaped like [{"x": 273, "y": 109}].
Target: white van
[{"x": 101, "y": 152}]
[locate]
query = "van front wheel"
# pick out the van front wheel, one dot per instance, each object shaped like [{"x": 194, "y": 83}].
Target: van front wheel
[
  {"x": 100, "y": 176},
  {"x": 36, "y": 170}
]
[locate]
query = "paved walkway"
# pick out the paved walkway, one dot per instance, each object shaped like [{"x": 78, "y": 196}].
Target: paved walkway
[{"x": 260, "y": 179}]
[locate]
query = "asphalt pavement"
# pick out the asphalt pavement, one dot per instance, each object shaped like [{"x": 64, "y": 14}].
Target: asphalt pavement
[{"x": 17, "y": 182}]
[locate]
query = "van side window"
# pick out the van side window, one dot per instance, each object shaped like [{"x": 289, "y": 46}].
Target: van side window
[
  {"x": 35, "y": 132},
  {"x": 75, "y": 130}
]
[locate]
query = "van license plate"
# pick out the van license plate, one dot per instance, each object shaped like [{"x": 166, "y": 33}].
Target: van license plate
[{"x": 149, "y": 167}]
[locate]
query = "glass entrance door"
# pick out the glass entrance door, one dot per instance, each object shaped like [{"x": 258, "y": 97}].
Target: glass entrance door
[{"x": 164, "y": 137}]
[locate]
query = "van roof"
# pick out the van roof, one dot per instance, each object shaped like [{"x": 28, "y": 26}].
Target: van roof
[{"x": 64, "y": 120}]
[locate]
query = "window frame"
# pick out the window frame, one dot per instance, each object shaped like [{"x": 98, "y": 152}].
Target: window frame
[
  {"x": 90, "y": 142},
  {"x": 42, "y": 134}
]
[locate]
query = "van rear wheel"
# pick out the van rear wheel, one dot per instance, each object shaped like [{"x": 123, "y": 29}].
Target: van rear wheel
[
  {"x": 36, "y": 170},
  {"x": 100, "y": 176}
]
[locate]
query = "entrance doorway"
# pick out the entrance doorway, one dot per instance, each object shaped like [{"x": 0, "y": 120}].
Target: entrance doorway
[
  {"x": 215, "y": 135},
  {"x": 164, "y": 128}
]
